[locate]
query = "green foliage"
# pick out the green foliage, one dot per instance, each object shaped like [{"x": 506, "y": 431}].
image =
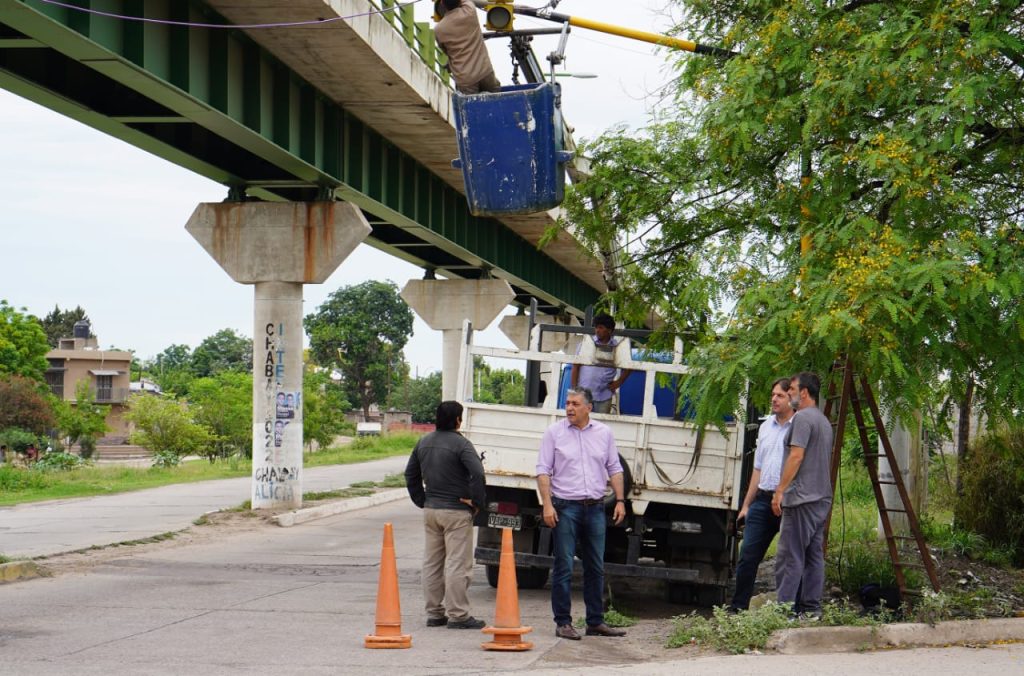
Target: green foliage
[
  {"x": 17, "y": 440},
  {"x": 361, "y": 330},
  {"x": 59, "y": 462},
  {"x": 323, "y": 409},
  {"x": 904, "y": 118},
  {"x": 223, "y": 404},
  {"x": 749, "y": 630},
  {"x": 23, "y": 345},
  {"x": 172, "y": 369},
  {"x": 84, "y": 421},
  {"x": 971, "y": 604},
  {"x": 25, "y": 404},
  {"x": 992, "y": 503},
  {"x": 166, "y": 427},
  {"x": 419, "y": 396},
  {"x": 225, "y": 350},
  {"x": 61, "y": 323},
  {"x": 497, "y": 386}
]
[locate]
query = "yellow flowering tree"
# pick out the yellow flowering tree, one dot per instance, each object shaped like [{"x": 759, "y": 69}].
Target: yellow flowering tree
[{"x": 889, "y": 137}]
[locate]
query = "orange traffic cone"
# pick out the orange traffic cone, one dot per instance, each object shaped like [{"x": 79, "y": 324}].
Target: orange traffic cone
[
  {"x": 389, "y": 612},
  {"x": 507, "y": 631}
]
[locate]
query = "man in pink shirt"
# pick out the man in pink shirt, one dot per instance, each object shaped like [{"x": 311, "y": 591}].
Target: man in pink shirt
[{"x": 577, "y": 459}]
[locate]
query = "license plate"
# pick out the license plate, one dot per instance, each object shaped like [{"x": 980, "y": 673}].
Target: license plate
[{"x": 515, "y": 522}]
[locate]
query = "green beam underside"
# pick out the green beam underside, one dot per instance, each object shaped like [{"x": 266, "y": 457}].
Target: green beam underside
[{"x": 216, "y": 103}]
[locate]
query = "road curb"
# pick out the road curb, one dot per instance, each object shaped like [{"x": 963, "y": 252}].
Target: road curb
[
  {"x": 340, "y": 507},
  {"x": 21, "y": 570},
  {"x": 807, "y": 640}
]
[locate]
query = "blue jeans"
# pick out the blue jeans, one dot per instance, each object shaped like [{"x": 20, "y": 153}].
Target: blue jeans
[
  {"x": 587, "y": 524},
  {"x": 762, "y": 526}
]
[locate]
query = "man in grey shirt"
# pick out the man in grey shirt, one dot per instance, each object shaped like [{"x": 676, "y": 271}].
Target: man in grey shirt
[{"x": 804, "y": 498}]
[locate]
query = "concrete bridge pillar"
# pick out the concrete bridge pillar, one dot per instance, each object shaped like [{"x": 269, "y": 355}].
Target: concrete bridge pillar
[
  {"x": 278, "y": 247},
  {"x": 445, "y": 304}
]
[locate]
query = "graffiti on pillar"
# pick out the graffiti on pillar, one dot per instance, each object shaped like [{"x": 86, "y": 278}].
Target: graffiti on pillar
[{"x": 275, "y": 483}]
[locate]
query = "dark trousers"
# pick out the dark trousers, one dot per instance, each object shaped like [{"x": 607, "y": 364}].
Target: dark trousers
[
  {"x": 585, "y": 523},
  {"x": 800, "y": 561},
  {"x": 761, "y": 527}
]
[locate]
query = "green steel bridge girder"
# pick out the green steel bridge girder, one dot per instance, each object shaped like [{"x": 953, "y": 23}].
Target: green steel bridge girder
[{"x": 215, "y": 102}]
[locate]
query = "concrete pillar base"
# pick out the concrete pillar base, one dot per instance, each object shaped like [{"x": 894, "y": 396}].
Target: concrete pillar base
[{"x": 445, "y": 304}]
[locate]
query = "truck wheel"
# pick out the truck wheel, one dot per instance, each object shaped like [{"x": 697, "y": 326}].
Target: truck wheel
[
  {"x": 527, "y": 578},
  {"x": 709, "y": 595},
  {"x": 531, "y": 578},
  {"x": 492, "y": 575}
]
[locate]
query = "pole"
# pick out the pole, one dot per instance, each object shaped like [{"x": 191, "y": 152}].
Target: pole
[{"x": 621, "y": 31}]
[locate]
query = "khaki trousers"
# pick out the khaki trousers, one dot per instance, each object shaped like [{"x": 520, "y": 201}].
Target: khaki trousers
[{"x": 447, "y": 562}]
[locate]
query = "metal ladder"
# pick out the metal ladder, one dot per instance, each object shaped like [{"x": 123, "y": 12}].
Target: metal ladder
[{"x": 851, "y": 391}]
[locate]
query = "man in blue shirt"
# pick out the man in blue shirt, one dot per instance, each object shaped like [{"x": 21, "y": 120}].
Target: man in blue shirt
[{"x": 761, "y": 523}]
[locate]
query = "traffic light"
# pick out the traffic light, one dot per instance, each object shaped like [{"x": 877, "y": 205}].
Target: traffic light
[{"x": 499, "y": 16}]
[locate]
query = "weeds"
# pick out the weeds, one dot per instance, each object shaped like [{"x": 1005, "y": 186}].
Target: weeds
[
  {"x": 739, "y": 633},
  {"x": 612, "y": 617}
]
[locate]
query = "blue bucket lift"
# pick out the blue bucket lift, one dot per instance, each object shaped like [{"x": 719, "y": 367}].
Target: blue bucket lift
[{"x": 512, "y": 149}]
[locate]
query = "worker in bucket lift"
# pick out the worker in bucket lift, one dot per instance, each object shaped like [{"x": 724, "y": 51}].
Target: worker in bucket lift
[{"x": 459, "y": 36}]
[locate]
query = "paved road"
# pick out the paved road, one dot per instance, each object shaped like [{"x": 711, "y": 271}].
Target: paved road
[
  {"x": 299, "y": 600},
  {"x": 45, "y": 528}
]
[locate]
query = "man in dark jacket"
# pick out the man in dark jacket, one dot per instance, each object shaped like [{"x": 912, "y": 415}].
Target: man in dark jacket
[{"x": 448, "y": 464}]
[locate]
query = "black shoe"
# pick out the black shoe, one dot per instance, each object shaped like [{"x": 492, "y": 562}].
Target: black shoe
[
  {"x": 568, "y": 631},
  {"x": 468, "y": 623},
  {"x": 733, "y": 610},
  {"x": 437, "y": 621}
]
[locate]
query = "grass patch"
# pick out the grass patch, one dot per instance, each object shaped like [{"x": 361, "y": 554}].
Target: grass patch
[
  {"x": 20, "y": 485},
  {"x": 389, "y": 481},
  {"x": 362, "y": 449},
  {"x": 351, "y": 492}
]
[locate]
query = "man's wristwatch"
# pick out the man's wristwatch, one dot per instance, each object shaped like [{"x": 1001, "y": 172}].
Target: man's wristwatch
[{"x": 622, "y": 500}]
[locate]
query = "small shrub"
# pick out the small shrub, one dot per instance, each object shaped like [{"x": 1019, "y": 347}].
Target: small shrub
[
  {"x": 959, "y": 605},
  {"x": 57, "y": 462},
  {"x": 992, "y": 502},
  {"x": 745, "y": 631},
  {"x": 166, "y": 459}
]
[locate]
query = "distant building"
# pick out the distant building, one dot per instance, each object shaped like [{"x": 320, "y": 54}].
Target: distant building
[{"x": 107, "y": 372}]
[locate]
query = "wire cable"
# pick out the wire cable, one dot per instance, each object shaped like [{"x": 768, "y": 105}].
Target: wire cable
[{"x": 191, "y": 24}]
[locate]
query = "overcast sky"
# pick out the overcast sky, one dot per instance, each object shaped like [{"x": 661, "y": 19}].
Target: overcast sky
[{"x": 90, "y": 220}]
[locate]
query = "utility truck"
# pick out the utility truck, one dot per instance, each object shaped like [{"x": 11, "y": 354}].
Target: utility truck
[{"x": 682, "y": 484}]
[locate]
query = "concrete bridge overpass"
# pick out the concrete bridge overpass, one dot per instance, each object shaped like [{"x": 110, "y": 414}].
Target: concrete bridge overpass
[
  {"x": 356, "y": 109},
  {"x": 334, "y": 114}
]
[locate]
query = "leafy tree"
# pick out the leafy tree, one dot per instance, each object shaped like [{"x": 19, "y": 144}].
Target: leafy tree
[
  {"x": 225, "y": 350},
  {"x": 61, "y": 323},
  {"x": 361, "y": 330},
  {"x": 23, "y": 345},
  {"x": 84, "y": 421},
  {"x": 223, "y": 404},
  {"x": 24, "y": 405},
  {"x": 165, "y": 426},
  {"x": 172, "y": 369},
  {"x": 848, "y": 183},
  {"x": 323, "y": 409},
  {"x": 419, "y": 396}
]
